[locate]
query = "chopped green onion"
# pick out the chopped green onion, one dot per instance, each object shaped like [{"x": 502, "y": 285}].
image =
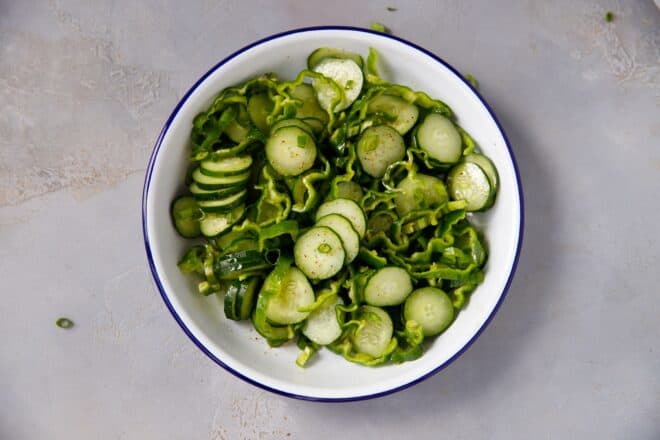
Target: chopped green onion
[
  {"x": 472, "y": 80},
  {"x": 325, "y": 248},
  {"x": 379, "y": 27},
  {"x": 392, "y": 9},
  {"x": 609, "y": 17},
  {"x": 302, "y": 141},
  {"x": 65, "y": 323}
]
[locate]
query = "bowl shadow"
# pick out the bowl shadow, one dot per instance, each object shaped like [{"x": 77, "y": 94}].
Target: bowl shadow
[{"x": 509, "y": 334}]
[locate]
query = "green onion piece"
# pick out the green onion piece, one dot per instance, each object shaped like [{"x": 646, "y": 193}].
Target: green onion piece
[
  {"x": 379, "y": 27},
  {"x": 609, "y": 17},
  {"x": 472, "y": 80},
  {"x": 65, "y": 323},
  {"x": 324, "y": 248},
  {"x": 302, "y": 141},
  {"x": 392, "y": 9}
]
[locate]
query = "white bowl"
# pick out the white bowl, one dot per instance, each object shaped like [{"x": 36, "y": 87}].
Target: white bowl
[{"x": 237, "y": 347}]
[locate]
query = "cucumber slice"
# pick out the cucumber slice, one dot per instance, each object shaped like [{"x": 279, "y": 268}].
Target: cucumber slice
[
  {"x": 316, "y": 124},
  {"x": 213, "y": 224},
  {"x": 310, "y": 108},
  {"x": 487, "y": 167},
  {"x": 419, "y": 191},
  {"x": 329, "y": 95},
  {"x": 237, "y": 132},
  {"x": 376, "y": 333},
  {"x": 214, "y": 194},
  {"x": 240, "y": 298},
  {"x": 224, "y": 167},
  {"x": 319, "y": 253},
  {"x": 214, "y": 182},
  {"x": 185, "y": 215},
  {"x": 259, "y": 107},
  {"x": 406, "y": 114},
  {"x": 294, "y": 122},
  {"x": 238, "y": 128},
  {"x": 390, "y": 286},
  {"x": 349, "y": 209},
  {"x": 295, "y": 293},
  {"x": 343, "y": 72},
  {"x": 322, "y": 53},
  {"x": 467, "y": 181},
  {"x": 431, "y": 308},
  {"x": 322, "y": 325},
  {"x": 379, "y": 147},
  {"x": 350, "y": 239},
  {"x": 225, "y": 204},
  {"x": 438, "y": 136},
  {"x": 349, "y": 190},
  {"x": 291, "y": 151}
]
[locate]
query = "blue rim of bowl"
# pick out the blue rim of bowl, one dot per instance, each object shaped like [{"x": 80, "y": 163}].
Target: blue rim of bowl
[{"x": 176, "y": 316}]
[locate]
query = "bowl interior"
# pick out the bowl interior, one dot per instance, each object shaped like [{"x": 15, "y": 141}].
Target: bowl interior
[{"x": 237, "y": 345}]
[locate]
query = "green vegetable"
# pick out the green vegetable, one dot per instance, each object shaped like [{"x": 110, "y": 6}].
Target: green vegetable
[
  {"x": 379, "y": 27},
  {"x": 335, "y": 209},
  {"x": 472, "y": 80},
  {"x": 64, "y": 323},
  {"x": 609, "y": 16}
]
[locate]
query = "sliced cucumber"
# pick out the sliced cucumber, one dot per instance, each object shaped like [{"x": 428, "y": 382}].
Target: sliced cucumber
[
  {"x": 186, "y": 214},
  {"x": 223, "y": 167},
  {"x": 237, "y": 132},
  {"x": 419, "y": 191},
  {"x": 487, "y": 167},
  {"x": 213, "y": 224},
  {"x": 310, "y": 111},
  {"x": 240, "y": 298},
  {"x": 295, "y": 293},
  {"x": 224, "y": 204},
  {"x": 379, "y": 147},
  {"x": 376, "y": 332},
  {"x": 349, "y": 209},
  {"x": 214, "y": 194},
  {"x": 214, "y": 182},
  {"x": 322, "y": 326},
  {"x": 406, "y": 114},
  {"x": 381, "y": 221},
  {"x": 291, "y": 151},
  {"x": 316, "y": 124},
  {"x": 319, "y": 253},
  {"x": 344, "y": 228},
  {"x": 348, "y": 77},
  {"x": 349, "y": 190},
  {"x": 238, "y": 128},
  {"x": 293, "y": 122},
  {"x": 431, "y": 308},
  {"x": 322, "y": 53},
  {"x": 467, "y": 181},
  {"x": 390, "y": 286},
  {"x": 438, "y": 136},
  {"x": 259, "y": 107}
]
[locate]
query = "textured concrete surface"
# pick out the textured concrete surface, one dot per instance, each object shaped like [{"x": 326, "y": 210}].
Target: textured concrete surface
[{"x": 85, "y": 88}]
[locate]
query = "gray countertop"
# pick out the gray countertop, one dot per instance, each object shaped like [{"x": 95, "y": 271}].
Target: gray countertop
[{"x": 573, "y": 352}]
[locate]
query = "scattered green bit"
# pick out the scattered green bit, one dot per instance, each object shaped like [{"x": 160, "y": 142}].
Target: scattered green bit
[
  {"x": 379, "y": 27},
  {"x": 609, "y": 17},
  {"x": 302, "y": 141},
  {"x": 349, "y": 84},
  {"x": 325, "y": 248},
  {"x": 472, "y": 80},
  {"x": 64, "y": 323},
  {"x": 392, "y": 9}
]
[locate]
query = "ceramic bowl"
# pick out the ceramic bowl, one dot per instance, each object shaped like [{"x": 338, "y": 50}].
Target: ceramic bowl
[{"x": 236, "y": 346}]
